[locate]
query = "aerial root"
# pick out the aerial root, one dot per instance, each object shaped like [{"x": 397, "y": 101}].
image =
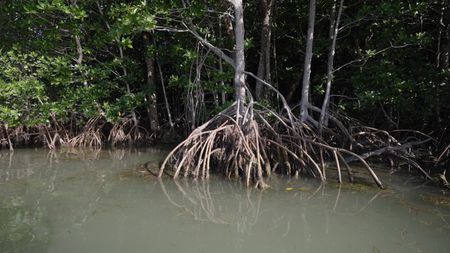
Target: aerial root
[
  {"x": 222, "y": 145},
  {"x": 126, "y": 131},
  {"x": 261, "y": 142},
  {"x": 91, "y": 134}
]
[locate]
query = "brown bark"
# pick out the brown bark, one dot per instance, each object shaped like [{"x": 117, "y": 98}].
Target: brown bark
[
  {"x": 152, "y": 109},
  {"x": 264, "y": 54}
]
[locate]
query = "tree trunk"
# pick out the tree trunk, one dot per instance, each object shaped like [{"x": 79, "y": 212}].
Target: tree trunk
[
  {"x": 239, "y": 60},
  {"x": 79, "y": 46},
  {"x": 445, "y": 57},
  {"x": 125, "y": 73},
  {"x": 79, "y": 59},
  {"x": 163, "y": 88},
  {"x": 222, "y": 84},
  {"x": 443, "y": 46},
  {"x": 264, "y": 54},
  {"x": 334, "y": 29},
  {"x": 442, "y": 52},
  {"x": 307, "y": 65},
  {"x": 152, "y": 109},
  {"x": 239, "y": 76}
]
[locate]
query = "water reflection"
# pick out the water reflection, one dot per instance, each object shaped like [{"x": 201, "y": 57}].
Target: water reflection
[
  {"x": 231, "y": 203},
  {"x": 87, "y": 201},
  {"x": 23, "y": 164},
  {"x": 197, "y": 199}
]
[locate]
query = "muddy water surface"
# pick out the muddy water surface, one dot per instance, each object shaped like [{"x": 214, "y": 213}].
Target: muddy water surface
[{"x": 96, "y": 201}]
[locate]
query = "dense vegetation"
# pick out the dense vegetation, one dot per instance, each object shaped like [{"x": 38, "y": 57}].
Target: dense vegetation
[{"x": 99, "y": 72}]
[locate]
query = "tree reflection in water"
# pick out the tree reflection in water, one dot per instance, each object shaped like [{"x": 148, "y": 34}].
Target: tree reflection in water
[
  {"x": 90, "y": 195},
  {"x": 204, "y": 201}
]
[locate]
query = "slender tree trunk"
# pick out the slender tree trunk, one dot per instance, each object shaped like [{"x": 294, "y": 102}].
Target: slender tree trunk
[
  {"x": 80, "y": 56},
  {"x": 239, "y": 76},
  {"x": 264, "y": 54},
  {"x": 79, "y": 46},
  {"x": 443, "y": 51},
  {"x": 79, "y": 59},
  {"x": 163, "y": 88},
  {"x": 275, "y": 62},
  {"x": 239, "y": 61},
  {"x": 334, "y": 29},
  {"x": 443, "y": 41},
  {"x": 152, "y": 109},
  {"x": 222, "y": 83},
  {"x": 445, "y": 57},
  {"x": 307, "y": 65}
]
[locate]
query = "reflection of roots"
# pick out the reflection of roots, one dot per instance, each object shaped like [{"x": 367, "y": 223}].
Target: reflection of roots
[
  {"x": 200, "y": 206},
  {"x": 197, "y": 199},
  {"x": 260, "y": 143}
]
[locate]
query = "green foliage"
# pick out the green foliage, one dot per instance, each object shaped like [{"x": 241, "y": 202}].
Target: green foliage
[
  {"x": 23, "y": 77},
  {"x": 399, "y": 70},
  {"x": 392, "y": 46},
  {"x": 130, "y": 19}
]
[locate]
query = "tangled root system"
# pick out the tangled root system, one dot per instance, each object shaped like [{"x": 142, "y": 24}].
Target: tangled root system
[{"x": 258, "y": 141}]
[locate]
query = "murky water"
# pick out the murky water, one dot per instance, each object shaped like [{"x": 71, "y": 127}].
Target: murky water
[{"x": 92, "y": 201}]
